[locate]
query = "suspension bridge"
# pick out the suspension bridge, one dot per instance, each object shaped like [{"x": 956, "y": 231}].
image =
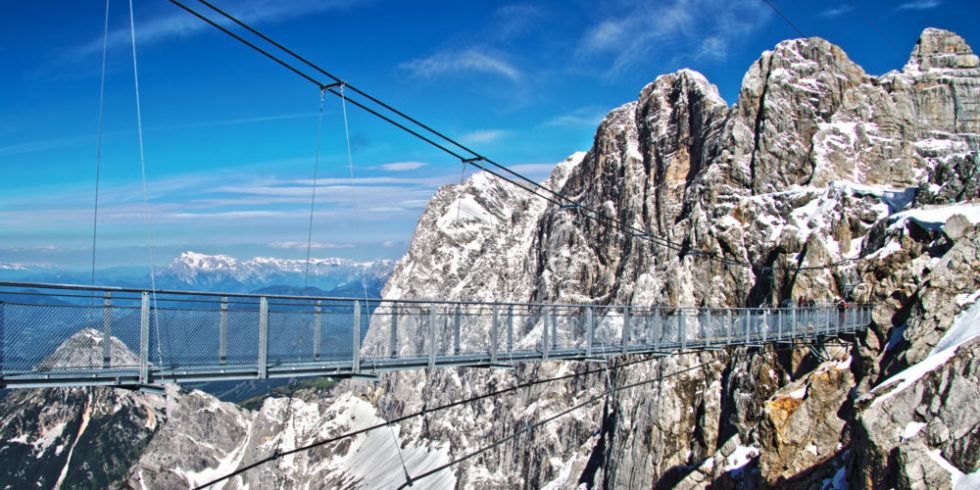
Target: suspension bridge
[
  {"x": 63, "y": 335},
  {"x": 76, "y": 335}
]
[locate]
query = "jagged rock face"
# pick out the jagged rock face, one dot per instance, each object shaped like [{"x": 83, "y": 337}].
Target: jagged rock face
[
  {"x": 785, "y": 98},
  {"x": 909, "y": 435},
  {"x": 804, "y": 170},
  {"x": 73, "y": 437},
  {"x": 801, "y": 427}
]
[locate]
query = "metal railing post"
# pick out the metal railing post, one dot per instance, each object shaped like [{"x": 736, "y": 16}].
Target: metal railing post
[
  {"x": 145, "y": 338},
  {"x": 263, "y": 363},
  {"x": 545, "y": 342},
  {"x": 393, "y": 337},
  {"x": 107, "y": 330},
  {"x": 706, "y": 326},
  {"x": 682, "y": 328},
  {"x": 588, "y": 331},
  {"x": 747, "y": 319},
  {"x": 626, "y": 329},
  {"x": 432, "y": 336},
  {"x": 765, "y": 324},
  {"x": 356, "y": 350},
  {"x": 827, "y": 313},
  {"x": 792, "y": 324},
  {"x": 510, "y": 328},
  {"x": 456, "y": 322},
  {"x": 779, "y": 324},
  {"x": 494, "y": 337},
  {"x": 316, "y": 330},
  {"x": 729, "y": 325},
  {"x": 657, "y": 327},
  {"x": 554, "y": 329},
  {"x": 223, "y": 332}
]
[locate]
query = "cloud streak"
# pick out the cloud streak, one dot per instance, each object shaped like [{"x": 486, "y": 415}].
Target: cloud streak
[
  {"x": 484, "y": 136},
  {"x": 920, "y": 5},
  {"x": 704, "y": 28},
  {"x": 180, "y": 24},
  {"x": 466, "y": 62},
  {"x": 589, "y": 116},
  {"x": 836, "y": 11},
  {"x": 315, "y": 245},
  {"x": 402, "y": 166}
]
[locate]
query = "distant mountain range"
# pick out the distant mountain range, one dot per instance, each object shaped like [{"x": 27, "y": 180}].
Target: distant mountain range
[{"x": 221, "y": 273}]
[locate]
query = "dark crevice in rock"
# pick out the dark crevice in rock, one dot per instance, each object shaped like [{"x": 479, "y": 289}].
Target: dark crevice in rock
[
  {"x": 600, "y": 457},
  {"x": 760, "y": 117}
]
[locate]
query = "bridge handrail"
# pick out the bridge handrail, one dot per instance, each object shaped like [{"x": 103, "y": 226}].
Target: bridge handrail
[{"x": 216, "y": 297}]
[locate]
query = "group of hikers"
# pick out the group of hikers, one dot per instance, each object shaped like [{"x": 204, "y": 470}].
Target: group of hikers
[{"x": 842, "y": 304}]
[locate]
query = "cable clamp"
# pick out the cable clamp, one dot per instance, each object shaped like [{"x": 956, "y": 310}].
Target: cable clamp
[{"x": 333, "y": 85}]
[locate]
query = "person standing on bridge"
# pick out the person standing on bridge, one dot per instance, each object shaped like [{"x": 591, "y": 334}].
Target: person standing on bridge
[{"x": 842, "y": 307}]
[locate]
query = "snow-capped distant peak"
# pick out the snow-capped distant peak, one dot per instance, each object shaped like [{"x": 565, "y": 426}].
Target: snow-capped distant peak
[
  {"x": 204, "y": 261},
  {"x": 223, "y": 272}
]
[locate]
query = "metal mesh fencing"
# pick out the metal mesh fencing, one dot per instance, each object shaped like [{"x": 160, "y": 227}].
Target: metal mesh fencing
[{"x": 176, "y": 335}]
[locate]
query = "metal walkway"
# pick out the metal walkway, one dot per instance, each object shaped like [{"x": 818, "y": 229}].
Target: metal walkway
[{"x": 54, "y": 335}]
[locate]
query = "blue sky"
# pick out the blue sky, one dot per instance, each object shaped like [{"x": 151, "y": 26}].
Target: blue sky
[{"x": 230, "y": 137}]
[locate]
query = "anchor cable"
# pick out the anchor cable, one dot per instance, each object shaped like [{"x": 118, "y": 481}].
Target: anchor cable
[{"x": 316, "y": 168}]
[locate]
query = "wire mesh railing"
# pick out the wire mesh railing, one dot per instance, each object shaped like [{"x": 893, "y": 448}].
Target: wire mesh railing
[{"x": 77, "y": 335}]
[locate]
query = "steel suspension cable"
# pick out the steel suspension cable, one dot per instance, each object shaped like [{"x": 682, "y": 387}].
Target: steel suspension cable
[
  {"x": 456, "y": 403},
  {"x": 477, "y": 160},
  {"x": 98, "y": 151},
  {"x": 316, "y": 168},
  {"x": 405, "y": 417},
  {"x": 779, "y": 13},
  {"x": 611, "y": 389},
  {"x": 559, "y": 198},
  {"x": 539, "y": 423},
  {"x": 353, "y": 191},
  {"x": 146, "y": 199}
]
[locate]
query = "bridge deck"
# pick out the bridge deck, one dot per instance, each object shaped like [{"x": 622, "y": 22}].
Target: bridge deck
[{"x": 54, "y": 335}]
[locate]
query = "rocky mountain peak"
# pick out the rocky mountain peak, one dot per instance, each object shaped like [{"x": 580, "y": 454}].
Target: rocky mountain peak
[
  {"x": 786, "y": 95},
  {"x": 940, "y": 48},
  {"x": 85, "y": 349}
]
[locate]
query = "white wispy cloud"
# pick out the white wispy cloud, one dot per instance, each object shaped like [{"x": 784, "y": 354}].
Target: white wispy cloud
[
  {"x": 515, "y": 20},
  {"x": 228, "y": 215},
  {"x": 712, "y": 47},
  {"x": 589, "y": 116},
  {"x": 177, "y": 23},
  {"x": 484, "y": 136},
  {"x": 629, "y": 37},
  {"x": 919, "y": 5},
  {"x": 467, "y": 61},
  {"x": 836, "y": 11},
  {"x": 402, "y": 166},
  {"x": 316, "y": 245}
]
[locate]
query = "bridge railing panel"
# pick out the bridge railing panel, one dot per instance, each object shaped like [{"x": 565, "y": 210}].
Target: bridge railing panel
[
  {"x": 182, "y": 338},
  {"x": 189, "y": 331},
  {"x": 61, "y": 337}
]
